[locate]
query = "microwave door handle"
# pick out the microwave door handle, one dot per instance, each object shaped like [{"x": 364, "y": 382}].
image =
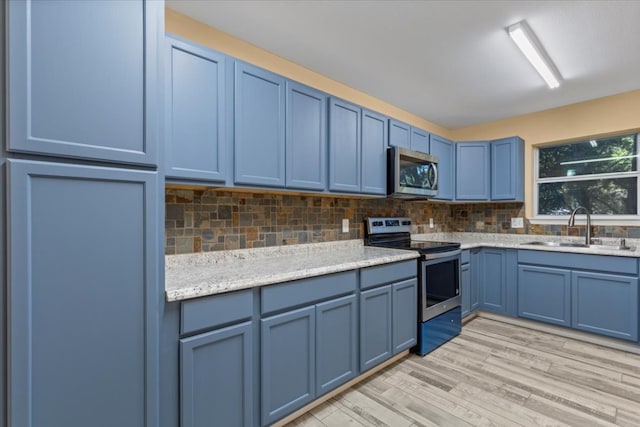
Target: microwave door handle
[{"x": 435, "y": 175}]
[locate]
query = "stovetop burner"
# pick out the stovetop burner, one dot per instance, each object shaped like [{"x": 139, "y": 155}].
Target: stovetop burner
[{"x": 396, "y": 233}]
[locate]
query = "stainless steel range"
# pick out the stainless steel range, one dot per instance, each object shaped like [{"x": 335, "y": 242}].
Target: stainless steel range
[{"x": 439, "y": 300}]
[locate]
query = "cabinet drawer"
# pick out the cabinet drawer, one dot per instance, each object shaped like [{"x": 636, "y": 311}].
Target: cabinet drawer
[
  {"x": 465, "y": 257},
  {"x": 387, "y": 273},
  {"x": 293, "y": 294},
  {"x": 603, "y": 263},
  {"x": 216, "y": 310}
]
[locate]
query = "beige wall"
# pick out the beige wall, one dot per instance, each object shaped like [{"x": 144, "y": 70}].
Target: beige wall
[{"x": 602, "y": 116}]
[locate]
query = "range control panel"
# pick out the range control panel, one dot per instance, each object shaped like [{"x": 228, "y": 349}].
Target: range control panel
[{"x": 388, "y": 225}]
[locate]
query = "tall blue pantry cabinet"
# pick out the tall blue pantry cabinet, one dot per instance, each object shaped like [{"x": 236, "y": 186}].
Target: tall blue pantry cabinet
[
  {"x": 3, "y": 248},
  {"x": 83, "y": 93}
]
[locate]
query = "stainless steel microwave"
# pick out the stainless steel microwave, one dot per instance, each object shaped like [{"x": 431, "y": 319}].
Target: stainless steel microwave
[{"x": 411, "y": 174}]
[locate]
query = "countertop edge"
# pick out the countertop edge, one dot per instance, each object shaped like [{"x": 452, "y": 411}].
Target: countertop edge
[{"x": 207, "y": 288}]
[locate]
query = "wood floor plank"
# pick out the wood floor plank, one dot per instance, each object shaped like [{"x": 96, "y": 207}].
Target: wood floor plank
[
  {"x": 466, "y": 410},
  {"x": 494, "y": 374},
  {"x": 375, "y": 408},
  {"x": 323, "y": 411},
  {"x": 422, "y": 412},
  {"x": 630, "y": 379},
  {"x": 519, "y": 414}
]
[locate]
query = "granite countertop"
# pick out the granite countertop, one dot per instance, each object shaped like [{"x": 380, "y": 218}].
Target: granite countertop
[
  {"x": 518, "y": 241},
  {"x": 195, "y": 275},
  {"x": 208, "y": 273}
]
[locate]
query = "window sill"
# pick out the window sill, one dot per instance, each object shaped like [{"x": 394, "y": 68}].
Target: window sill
[{"x": 626, "y": 221}]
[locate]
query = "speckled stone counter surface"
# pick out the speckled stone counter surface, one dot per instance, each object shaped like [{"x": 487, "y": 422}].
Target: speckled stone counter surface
[
  {"x": 519, "y": 241},
  {"x": 207, "y": 273}
]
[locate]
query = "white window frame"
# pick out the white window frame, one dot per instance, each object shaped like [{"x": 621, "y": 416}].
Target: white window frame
[{"x": 621, "y": 220}]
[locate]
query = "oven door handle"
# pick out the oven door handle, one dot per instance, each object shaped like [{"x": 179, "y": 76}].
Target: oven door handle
[{"x": 429, "y": 257}]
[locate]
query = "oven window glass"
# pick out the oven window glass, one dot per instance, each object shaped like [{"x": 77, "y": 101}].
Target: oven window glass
[{"x": 442, "y": 281}]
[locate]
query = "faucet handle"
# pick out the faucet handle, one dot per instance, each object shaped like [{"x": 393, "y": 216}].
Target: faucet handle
[{"x": 623, "y": 244}]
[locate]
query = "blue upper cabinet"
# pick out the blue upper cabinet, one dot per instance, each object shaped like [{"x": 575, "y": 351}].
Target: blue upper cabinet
[
  {"x": 399, "y": 134},
  {"x": 306, "y": 138},
  {"x": 195, "y": 120},
  {"x": 472, "y": 170},
  {"x": 419, "y": 140},
  {"x": 406, "y": 136},
  {"x": 259, "y": 148},
  {"x": 444, "y": 150},
  {"x": 374, "y": 153},
  {"x": 507, "y": 171},
  {"x": 83, "y": 79},
  {"x": 344, "y": 146}
]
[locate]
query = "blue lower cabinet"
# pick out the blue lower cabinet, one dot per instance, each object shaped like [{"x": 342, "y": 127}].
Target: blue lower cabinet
[
  {"x": 605, "y": 304},
  {"x": 216, "y": 386},
  {"x": 336, "y": 343},
  {"x": 288, "y": 350},
  {"x": 82, "y": 291},
  {"x": 375, "y": 326},
  {"x": 544, "y": 294},
  {"x": 405, "y": 315},
  {"x": 494, "y": 280}
]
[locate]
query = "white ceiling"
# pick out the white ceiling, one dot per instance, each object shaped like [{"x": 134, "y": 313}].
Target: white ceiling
[{"x": 450, "y": 62}]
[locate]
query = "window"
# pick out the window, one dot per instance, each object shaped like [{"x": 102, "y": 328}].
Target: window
[{"x": 599, "y": 174}]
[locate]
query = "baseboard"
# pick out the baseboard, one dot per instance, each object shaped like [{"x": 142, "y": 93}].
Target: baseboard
[{"x": 560, "y": 331}]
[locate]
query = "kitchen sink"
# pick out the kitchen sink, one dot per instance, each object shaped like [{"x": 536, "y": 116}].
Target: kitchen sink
[{"x": 579, "y": 245}]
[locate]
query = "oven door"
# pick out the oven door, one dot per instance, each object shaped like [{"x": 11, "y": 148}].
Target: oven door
[{"x": 439, "y": 289}]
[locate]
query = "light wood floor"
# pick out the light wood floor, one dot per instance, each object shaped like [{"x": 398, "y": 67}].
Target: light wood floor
[{"x": 495, "y": 374}]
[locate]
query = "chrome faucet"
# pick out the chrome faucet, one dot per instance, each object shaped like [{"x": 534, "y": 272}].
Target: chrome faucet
[{"x": 572, "y": 220}]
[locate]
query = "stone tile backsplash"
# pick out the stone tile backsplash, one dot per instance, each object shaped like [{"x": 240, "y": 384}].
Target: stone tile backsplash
[{"x": 211, "y": 220}]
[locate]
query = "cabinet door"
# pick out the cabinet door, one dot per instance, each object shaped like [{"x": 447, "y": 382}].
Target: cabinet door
[
  {"x": 259, "y": 141},
  {"x": 465, "y": 289},
  {"x": 399, "y": 134},
  {"x": 507, "y": 171},
  {"x": 475, "y": 268},
  {"x": 288, "y": 362},
  {"x": 472, "y": 171},
  {"x": 374, "y": 153},
  {"x": 375, "y": 327},
  {"x": 216, "y": 378},
  {"x": 419, "y": 140},
  {"x": 544, "y": 294},
  {"x": 444, "y": 150},
  {"x": 82, "y": 288},
  {"x": 196, "y": 136},
  {"x": 80, "y": 88},
  {"x": 344, "y": 147},
  {"x": 405, "y": 314},
  {"x": 605, "y": 304},
  {"x": 336, "y": 343},
  {"x": 306, "y": 142},
  {"x": 494, "y": 280}
]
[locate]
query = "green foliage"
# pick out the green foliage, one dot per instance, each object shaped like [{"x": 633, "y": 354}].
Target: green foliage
[{"x": 600, "y": 195}]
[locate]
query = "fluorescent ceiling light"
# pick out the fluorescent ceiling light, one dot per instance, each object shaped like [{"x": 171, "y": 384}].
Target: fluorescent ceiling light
[{"x": 526, "y": 40}]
